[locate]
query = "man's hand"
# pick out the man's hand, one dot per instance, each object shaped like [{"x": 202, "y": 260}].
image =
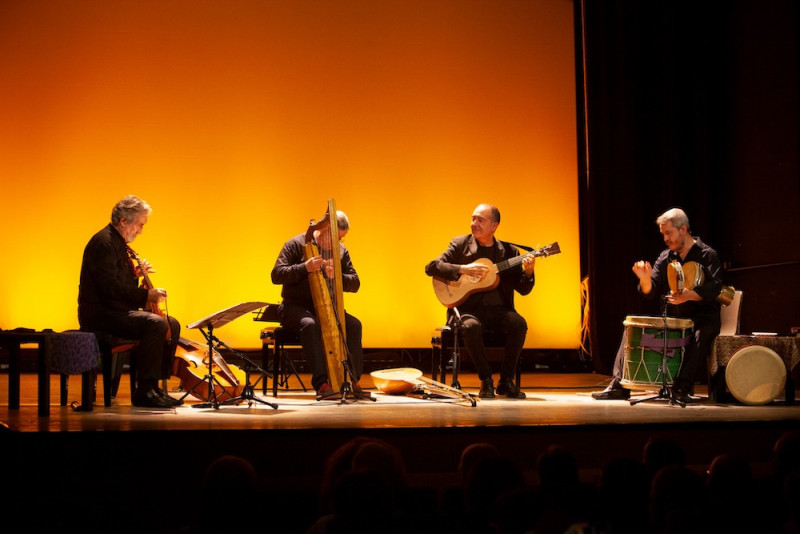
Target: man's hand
[
  {"x": 143, "y": 268},
  {"x": 314, "y": 264},
  {"x": 528, "y": 263},
  {"x": 643, "y": 270},
  {"x": 317, "y": 263},
  {"x": 684, "y": 296},
  {"x": 478, "y": 270},
  {"x": 156, "y": 294}
]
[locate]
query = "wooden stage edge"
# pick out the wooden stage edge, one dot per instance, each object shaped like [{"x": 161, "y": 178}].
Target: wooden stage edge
[{"x": 119, "y": 446}]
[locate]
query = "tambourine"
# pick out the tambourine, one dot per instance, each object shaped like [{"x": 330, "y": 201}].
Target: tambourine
[{"x": 690, "y": 275}]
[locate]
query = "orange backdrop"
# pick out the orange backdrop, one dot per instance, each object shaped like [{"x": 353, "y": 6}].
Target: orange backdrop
[{"x": 237, "y": 120}]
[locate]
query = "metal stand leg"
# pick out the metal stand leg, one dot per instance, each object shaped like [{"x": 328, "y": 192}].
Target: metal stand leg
[
  {"x": 456, "y": 361},
  {"x": 664, "y": 393},
  {"x": 248, "y": 392}
]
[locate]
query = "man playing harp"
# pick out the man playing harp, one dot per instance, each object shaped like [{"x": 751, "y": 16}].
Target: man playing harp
[{"x": 297, "y": 311}]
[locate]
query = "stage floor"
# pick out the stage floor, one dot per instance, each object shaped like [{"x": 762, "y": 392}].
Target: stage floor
[
  {"x": 552, "y": 400},
  {"x": 290, "y": 443},
  {"x": 558, "y": 407}
]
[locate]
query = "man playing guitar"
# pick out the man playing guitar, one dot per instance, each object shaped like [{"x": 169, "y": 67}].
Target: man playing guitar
[{"x": 489, "y": 307}]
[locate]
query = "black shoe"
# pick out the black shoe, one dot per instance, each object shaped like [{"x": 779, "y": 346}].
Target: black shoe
[
  {"x": 487, "y": 389},
  {"x": 150, "y": 398},
  {"x": 325, "y": 391},
  {"x": 169, "y": 398},
  {"x": 509, "y": 389},
  {"x": 680, "y": 397},
  {"x": 614, "y": 391}
]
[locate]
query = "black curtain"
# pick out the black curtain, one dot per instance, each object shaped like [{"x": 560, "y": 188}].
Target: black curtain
[{"x": 677, "y": 102}]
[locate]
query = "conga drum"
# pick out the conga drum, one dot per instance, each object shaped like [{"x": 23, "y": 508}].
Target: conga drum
[
  {"x": 644, "y": 347},
  {"x": 755, "y": 375}
]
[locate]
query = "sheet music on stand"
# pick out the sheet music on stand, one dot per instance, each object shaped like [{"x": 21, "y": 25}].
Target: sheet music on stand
[
  {"x": 216, "y": 320},
  {"x": 223, "y": 317}
]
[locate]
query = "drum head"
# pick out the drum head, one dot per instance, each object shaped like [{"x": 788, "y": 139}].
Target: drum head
[
  {"x": 755, "y": 375},
  {"x": 646, "y": 321}
]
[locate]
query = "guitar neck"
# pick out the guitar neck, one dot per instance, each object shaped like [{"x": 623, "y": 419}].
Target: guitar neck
[
  {"x": 517, "y": 260},
  {"x": 509, "y": 263}
]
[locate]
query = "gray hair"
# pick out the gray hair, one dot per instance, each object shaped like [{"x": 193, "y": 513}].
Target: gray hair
[
  {"x": 676, "y": 216},
  {"x": 342, "y": 222},
  {"x": 129, "y": 208}
]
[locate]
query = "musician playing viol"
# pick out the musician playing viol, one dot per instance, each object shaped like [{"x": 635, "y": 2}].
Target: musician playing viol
[
  {"x": 297, "y": 310},
  {"x": 700, "y": 303},
  {"x": 112, "y": 301},
  {"x": 493, "y": 309}
]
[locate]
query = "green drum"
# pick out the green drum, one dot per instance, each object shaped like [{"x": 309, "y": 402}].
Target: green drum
[{"x": 644, "y": 346}]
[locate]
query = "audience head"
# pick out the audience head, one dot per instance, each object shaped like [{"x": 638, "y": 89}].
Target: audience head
[
  {"x": 678, "y": 501},
  {"x": 368, "y": 458},
  {"x": 557, "y": 468},
  {"x": 472, "y": 456},
  {"x": 228, "y": 472},
  {"x": 661, "y": 451},
  {"x": 729, "y": 476},
  {"x": 786, "y": 453}
]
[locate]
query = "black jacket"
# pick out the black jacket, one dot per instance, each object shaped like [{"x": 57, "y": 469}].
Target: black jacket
[
  {"x": 108, "y": 284},
  {"x": 464, "y": 249}
]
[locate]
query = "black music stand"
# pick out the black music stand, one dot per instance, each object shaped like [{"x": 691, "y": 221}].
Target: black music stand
[
  {"x": 664, "y": 393},
  {"x": 456, "y": 353},
  {"x": 216, "y": 320}
]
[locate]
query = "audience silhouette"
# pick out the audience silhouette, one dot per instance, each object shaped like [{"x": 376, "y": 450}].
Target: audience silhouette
[{"x": 365, "y": 483}]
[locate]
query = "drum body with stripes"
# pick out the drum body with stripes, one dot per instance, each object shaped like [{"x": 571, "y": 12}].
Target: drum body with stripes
[{"x": 645, "y": 345}]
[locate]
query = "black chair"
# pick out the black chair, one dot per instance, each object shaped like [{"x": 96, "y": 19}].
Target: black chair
[{"x": 275, "y": 340}]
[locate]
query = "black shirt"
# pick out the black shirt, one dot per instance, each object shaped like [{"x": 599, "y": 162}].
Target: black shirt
[
  {"x": 290, "y": 271},
  {"x": 709, "y": 290}
]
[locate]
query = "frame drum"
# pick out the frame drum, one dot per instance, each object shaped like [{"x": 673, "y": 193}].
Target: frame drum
[
  {"x": 755, "y": 375},
  {"x": 644, "y": 345}
]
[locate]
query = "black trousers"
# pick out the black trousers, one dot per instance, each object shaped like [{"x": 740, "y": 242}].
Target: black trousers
[
  {"x": 154, "y": 354},
  {"x": 502, "y": 320},
  {"x": 303, "y": 320}
]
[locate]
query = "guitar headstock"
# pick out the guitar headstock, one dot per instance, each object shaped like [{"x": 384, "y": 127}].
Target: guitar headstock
[{"x": 547, "y": 250}]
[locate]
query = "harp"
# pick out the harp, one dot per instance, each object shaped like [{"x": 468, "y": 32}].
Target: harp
[{"x": 327, "y": 293}]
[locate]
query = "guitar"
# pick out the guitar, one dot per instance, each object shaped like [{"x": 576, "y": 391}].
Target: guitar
[
  {"x": 402, "y": 380},
  {"x": 690, "y": 275},
  {"x": 453, "y": 293}
]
